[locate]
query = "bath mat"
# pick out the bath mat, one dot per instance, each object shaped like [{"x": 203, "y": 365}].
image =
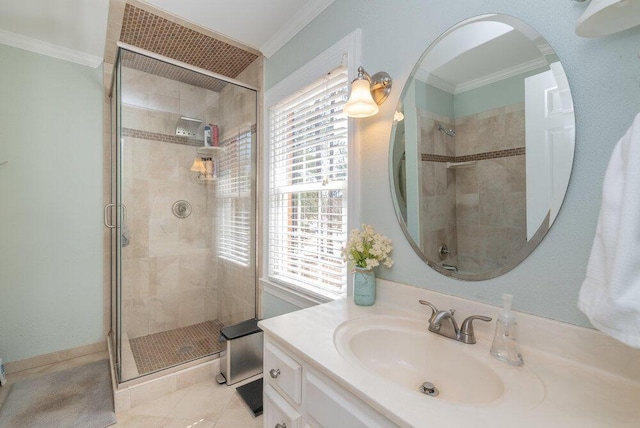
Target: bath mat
[
  {"x": 251, "y": 393},
  {"x": 76, "y": 397}
]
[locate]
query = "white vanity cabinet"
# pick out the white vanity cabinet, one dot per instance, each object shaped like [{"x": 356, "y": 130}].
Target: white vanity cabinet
[
  {"x": 297, "y": 395},
  {"x": 277, "y": 412},
  {"x": 282, "y": 372},
  {"x": 575, "y": 377}
]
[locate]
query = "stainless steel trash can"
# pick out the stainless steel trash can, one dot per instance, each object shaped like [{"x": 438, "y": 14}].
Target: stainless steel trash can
[{"x": 242, "y": 354}]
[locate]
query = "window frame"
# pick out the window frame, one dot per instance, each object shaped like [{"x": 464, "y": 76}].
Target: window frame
[{"x": 344, "y": 52}]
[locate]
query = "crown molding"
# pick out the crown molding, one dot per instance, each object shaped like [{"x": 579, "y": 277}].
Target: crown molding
[
  {"x": 295, "y": 25},
  {"x": 546, "y": 49},
  {"x": 439, "y": 83},
  {"x": 38, "y": 46},
  {"x": 501, "y": 75},
  {"x": 449, "y": 87}
]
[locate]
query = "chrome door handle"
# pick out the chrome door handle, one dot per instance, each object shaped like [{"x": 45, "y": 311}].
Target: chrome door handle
[
  {"x": 274, "y": 373},
  {"x": 107, "y": 216}
]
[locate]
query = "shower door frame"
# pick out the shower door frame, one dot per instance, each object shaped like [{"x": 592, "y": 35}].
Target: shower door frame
[
  {"x": 112, "y": 212},
  {"x": 117, "y": 210}
]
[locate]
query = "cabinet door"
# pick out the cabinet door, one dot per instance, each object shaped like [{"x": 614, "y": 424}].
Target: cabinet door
[
  {"x": 282, "y": 372},
  {"x": 329, "y": 406},
  {"x": 277, "y": 412}
]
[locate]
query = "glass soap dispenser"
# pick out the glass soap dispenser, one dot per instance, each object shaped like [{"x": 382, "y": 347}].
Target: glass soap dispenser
[{"x": 505, "y": 342}]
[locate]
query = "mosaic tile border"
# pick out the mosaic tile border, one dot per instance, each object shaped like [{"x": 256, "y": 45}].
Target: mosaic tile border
[
  {"x": 169, "y": 71},
  {"x": 155, "y": 136},
  {"x": 157, "y": 34},
  {"x": 519, "y": 151},
  {"x": 184, "y": 141}
]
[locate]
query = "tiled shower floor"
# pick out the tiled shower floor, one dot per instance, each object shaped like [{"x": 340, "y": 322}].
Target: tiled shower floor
[{"x": 169, "y": 348}]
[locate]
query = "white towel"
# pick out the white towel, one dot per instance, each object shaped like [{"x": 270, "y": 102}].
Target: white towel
[{"x": 610, "y": 294}]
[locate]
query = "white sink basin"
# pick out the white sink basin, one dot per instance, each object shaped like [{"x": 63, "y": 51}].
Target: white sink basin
[{"x": 402, "y": 351}]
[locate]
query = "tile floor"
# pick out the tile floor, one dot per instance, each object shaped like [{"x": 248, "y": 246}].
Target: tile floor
[
  {"x": 169, "y": 348},
  {"x": 49, "y": 368},
  {"x": 203, "y": 405}
]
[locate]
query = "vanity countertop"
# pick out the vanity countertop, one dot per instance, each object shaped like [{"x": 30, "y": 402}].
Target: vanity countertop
[{"x": 589, "y": 379}]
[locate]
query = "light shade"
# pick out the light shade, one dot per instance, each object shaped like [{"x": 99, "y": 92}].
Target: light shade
[
  {"x": 604, "y": 17},
  {"x": 361, "y": 103},
  {"x": 198, "y": 165}
]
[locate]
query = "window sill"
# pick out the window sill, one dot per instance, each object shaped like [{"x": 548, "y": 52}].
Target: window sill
[{"x": 297, "y": 297}]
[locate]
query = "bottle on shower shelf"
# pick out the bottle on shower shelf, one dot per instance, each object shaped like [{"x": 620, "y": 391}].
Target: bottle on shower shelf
[
  {"x": 207, "y": 135},
  {"x": 216, "y": 135}
]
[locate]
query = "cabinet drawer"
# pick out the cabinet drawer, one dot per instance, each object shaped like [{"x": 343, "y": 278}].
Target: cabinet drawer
[
  {"x": 278, "y": 413},
  {"x": 283, "y": 372}
]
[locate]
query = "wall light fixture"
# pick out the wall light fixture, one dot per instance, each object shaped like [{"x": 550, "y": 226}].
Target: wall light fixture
[
  {"x": 604, "y": 17},
  {"x": 367, "y": 93}
]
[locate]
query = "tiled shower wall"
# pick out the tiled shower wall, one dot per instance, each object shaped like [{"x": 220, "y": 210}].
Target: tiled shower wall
[
  {"x": 486, "y": 222},
  {"x": 491, "y": 197},
  {"x": 175, "y": 277},
  {"x": 438, "y": 201},
  {"x": 167, "y": 272}
]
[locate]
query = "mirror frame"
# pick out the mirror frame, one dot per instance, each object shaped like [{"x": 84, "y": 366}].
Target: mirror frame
[{"x": 531, "y": 244}]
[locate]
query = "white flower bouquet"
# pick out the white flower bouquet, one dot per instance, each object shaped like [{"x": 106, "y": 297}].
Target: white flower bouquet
[{"x": 367, "y": 249}]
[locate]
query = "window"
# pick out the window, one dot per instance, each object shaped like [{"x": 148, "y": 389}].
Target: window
[
  {"x": 233, "y": 193},
  {"x": 307, "y": 202}
]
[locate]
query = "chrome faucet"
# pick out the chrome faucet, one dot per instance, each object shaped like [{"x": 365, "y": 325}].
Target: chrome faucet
[
  {"x": 444, "y": 324},
  {"x": 450, "y": 268}
]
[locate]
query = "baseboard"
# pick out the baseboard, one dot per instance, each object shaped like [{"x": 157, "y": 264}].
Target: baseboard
[{"x": 54, "y": 357}]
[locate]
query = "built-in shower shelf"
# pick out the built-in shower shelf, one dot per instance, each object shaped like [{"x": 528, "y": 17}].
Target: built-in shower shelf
[
  {"x": 459, "y": 165},
  {"x": 210, "y": 152}
]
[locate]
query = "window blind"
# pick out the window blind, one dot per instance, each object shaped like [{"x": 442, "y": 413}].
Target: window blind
[
  {"x": 233, "y": 193},
  {"x": 308, "y": 158}
]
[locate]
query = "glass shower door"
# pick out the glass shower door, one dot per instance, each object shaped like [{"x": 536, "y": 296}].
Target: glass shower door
[
  {"x": 113, "y": 215},
  {"x": 183, "y": 257}
]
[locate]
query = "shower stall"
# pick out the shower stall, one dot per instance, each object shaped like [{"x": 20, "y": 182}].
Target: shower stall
[{"x": 182, "y": 212}]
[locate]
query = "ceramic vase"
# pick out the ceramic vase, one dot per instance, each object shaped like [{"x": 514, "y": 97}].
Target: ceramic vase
[{"x": 364, "y": 286}]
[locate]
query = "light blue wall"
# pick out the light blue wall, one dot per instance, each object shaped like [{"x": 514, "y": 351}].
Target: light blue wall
[
  {"x": 274, "y": 306},
  {"x": 503, "y": 93},
  {"x": 603, "y": 74},
  {"x": 433, "y": 99},
  {"x": 51, "y": 294},
  {"x": 506, "y": 92}
]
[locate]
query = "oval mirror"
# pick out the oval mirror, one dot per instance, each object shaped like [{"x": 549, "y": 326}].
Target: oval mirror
[{"x": 481, "y": 160}]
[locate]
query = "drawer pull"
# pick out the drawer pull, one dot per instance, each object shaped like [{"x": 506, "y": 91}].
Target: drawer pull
[
  {"x": 274, "y": 373},
  {"x": 282, "y": 425}
]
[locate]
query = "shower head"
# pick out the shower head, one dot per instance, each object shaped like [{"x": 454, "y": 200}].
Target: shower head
[{"x": 449, "y": 132}]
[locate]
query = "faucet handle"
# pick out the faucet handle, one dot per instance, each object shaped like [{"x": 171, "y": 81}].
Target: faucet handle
[
  {"x": 433, "y": 308},
  {"x": 466, "y": 330}
]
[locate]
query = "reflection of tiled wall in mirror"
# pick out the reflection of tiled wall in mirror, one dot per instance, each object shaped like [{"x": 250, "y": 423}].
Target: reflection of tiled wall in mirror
[
  {"x": 479, "y": 211},
  {"x": 438, "y": 199}
]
